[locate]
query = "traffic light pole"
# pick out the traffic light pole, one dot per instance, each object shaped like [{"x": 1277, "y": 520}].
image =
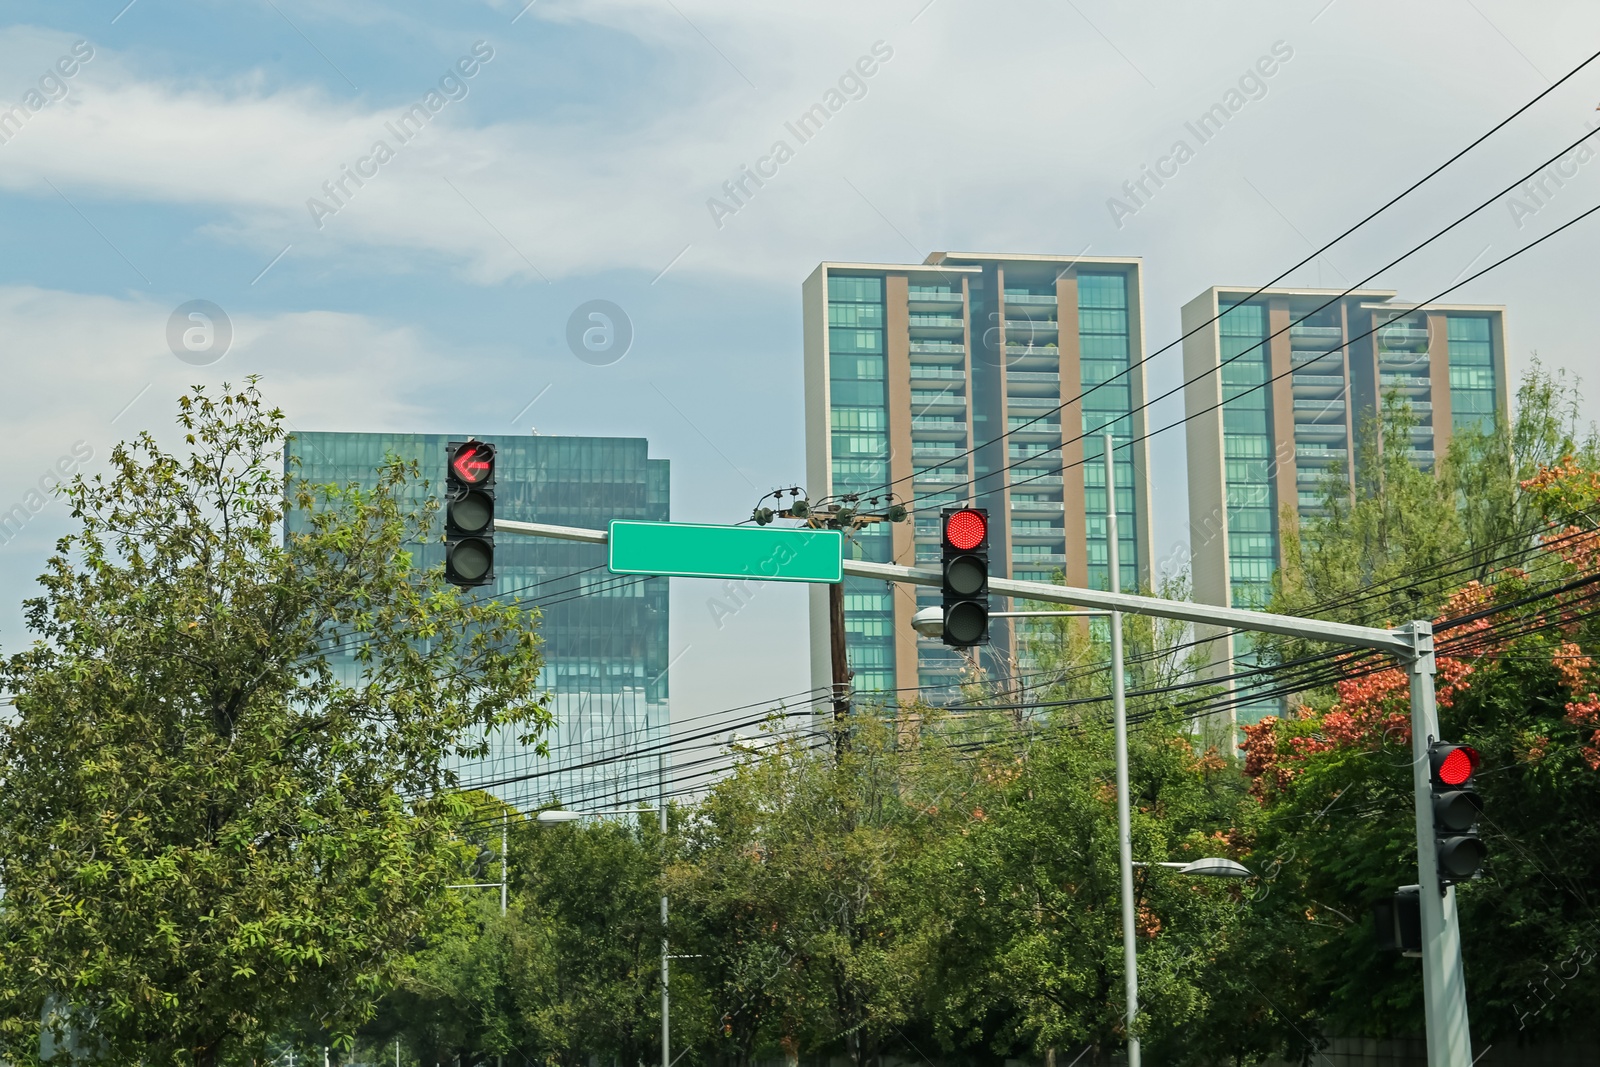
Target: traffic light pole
[{"x": 1444, "y": 984}]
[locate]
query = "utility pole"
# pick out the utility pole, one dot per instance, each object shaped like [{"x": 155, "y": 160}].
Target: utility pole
[
  {"x": 841, "y": 513},
  {"x": 1119, "y": 707},
  {"x": 841, "y": 660}
]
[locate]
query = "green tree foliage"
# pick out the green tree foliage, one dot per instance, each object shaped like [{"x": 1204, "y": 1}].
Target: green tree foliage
[
  {"x": 1394, "y": 541},
  {"x": 207, "y": 833}
]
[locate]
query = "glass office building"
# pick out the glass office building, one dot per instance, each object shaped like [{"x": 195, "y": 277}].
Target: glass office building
[
  {"x": 972, "y": 379},
  {"x": 604, "y": 636},
  {"x": 1280, "y": 384}
]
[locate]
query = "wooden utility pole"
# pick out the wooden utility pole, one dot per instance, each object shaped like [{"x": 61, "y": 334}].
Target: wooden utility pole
[{"x": 841, "y": 662}]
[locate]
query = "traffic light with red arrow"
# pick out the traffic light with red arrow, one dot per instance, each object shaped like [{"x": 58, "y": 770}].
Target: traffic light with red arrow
[{"x": 469, "y": 513}]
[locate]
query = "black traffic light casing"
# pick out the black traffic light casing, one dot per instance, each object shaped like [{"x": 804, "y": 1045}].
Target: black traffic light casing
[
  {"x": 964, "y": 554},
  {"x": 1399, "y": 921},
  {"x": 469, "y": 513},
  {"x": 1456, "y": 810}
]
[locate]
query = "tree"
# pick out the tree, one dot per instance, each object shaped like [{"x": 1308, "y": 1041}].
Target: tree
[
  {"x": 206, "y": 832},
  {"x": 1407, "y": 538},
  {"x": 1516, "y": 680}
]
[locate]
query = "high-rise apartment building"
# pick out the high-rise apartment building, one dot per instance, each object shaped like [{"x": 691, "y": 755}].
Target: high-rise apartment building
[
  {"x": 1279, "y": 388},
  {"x": 914, "y": 374},
  {"x": 604, "y": 636}
]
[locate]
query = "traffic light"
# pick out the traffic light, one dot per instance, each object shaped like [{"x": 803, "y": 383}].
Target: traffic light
[
  {"x": 469, "y": 513},
  {"x": 1456, "y": 808},
  {"x": 966, "y": 576},
  {"x": 1399, "y": 921}
]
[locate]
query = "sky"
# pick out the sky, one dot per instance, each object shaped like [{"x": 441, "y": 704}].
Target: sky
[{"x": 392, "y": 211}]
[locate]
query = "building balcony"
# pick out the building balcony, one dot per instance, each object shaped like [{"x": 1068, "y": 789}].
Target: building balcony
[
  {"x": 1049, "y": 352},
  {"x": 1038, "y": 300},
  {"x": 1325, "y": 454},
  {"x": 1324, "y": 335},
  {"x": 1329, "y": 362},
  {"x": 1033, "y": 506},
  {"x": 1024, "y": 453},
  {"x": 942, "y": 325},
  {"x": 1037, "y": 327},
  {"x": 954, "y": 348},
  {"x": 1395, "y": 338},
  {"x": 1035, "y": 481},
  {"x": 1035, "y": 432},
  {"x": 934, "y": 450},
  {"x": 1033, "y": 377},
  {"x": 944, "y": 432},
  {"x": 1421, "y": 455},
  {"x": 1317, "y": 381},
  {"x": 935, "y": 299},
  {"x": 1319, "y": 411},
  {"x": 1056, "y": 559},
  {"x": 937, "y": 372},
  {"x": 1404, "y": 381},
  {"x": 955, "y": 474}
]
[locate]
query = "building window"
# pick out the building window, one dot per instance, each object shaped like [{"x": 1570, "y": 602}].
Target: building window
[
  {"x": 860, "y": 423},
  {"x": 1103, "y": 345},
  {"x": 1247, "y": 448},
  {"x": 1472, "y": 384}
]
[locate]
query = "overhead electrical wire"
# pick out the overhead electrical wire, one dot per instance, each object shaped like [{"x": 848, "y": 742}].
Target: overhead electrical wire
[
  {"x": 1311, "y": 256},
  {"x": 1051, "y": 472}
]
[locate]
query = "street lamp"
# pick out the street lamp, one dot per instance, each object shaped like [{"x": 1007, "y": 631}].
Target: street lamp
[
  {"x": 929, "y": 622},
  {"x": 1209, "y": 867}
]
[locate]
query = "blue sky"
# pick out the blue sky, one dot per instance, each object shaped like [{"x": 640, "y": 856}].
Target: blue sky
[{"x": 177, "y": 163}]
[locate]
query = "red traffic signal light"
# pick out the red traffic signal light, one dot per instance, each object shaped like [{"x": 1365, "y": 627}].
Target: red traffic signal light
[
  {"x": 472, "y": 463},
  {"x": 1457, "y": 807},
  {"x": 965, "y": 557},
  {"x": 469, "y": 513},
  {"x": 1454, "y": 765},
  {"x": 966, "y": 529}
]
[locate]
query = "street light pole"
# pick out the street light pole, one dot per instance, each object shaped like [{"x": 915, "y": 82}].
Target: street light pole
[
  {"x": 666, "y": 1015},
  {"x": 1119, "y": 708}
]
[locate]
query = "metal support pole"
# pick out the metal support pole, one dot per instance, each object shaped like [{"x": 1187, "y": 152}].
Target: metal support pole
[
  {"x": 841, "y": 661},
  {"x": 1119, "y": 707},
  {"x": 505, "y": 820},
  {"x": 1444, "y": 982},
  {"x": 666, "y": 1031}
]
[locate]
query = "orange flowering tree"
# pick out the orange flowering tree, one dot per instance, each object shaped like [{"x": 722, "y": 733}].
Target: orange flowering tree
[{"x": 1516, "y": 678}]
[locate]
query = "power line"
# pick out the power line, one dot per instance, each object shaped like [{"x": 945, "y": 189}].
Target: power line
[
  {"x": 1311, "y": 256},
  {"x": 1261, "y": 385}
]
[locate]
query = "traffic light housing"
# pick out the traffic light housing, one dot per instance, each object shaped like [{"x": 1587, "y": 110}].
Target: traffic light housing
[
  {"x": 469, "y": 513},
  {"x": 1398, "y": 921},
  {"x": 964, "y": 539},
  {"x": 1456, "y": 810}
]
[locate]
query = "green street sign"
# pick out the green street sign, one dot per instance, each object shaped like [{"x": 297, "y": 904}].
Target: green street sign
[{"x": 759, "y": 553}]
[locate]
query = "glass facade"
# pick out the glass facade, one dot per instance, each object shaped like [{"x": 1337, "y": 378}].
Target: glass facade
[
  {"x": 1247, "y": 449},
  {"x": 859, "y": 425},
  {"x": 604, "y": 636},
  {"x": 1472, "y": 384},
  {"x": 1104, "y": 353}
]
